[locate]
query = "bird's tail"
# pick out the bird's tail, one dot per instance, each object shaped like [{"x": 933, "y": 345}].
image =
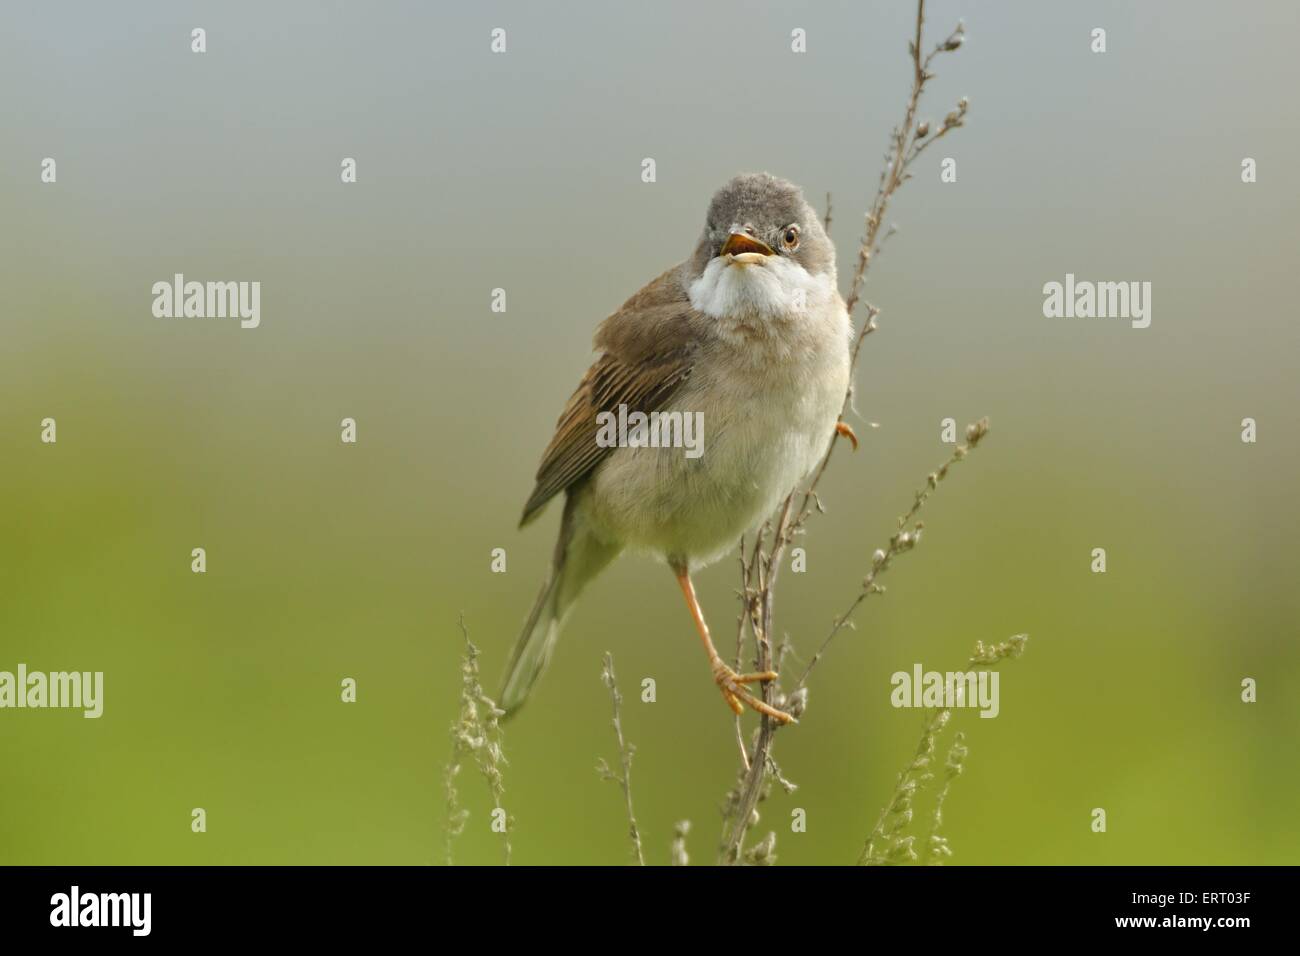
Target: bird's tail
[
  {"x": 534, "y": 647},
  {"x": 579, "y": 557}
]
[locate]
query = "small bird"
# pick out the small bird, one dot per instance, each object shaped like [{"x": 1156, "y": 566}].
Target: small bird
[{"x": 750, "y": 337}]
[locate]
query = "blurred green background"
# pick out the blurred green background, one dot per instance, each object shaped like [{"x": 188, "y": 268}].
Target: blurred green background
[{"x": 521, "y": 171}]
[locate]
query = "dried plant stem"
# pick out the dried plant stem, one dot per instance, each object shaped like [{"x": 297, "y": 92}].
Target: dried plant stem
[
  {"x": 625, "y": 751},
  {"x": 897, "y": 813},
  {"x": 476, "y": 735},
  {"x": 936, "y": 846},
  {"x": 456, "y": 814},
  {"x": 753, "y": 786},
  {"x": 906, "y": 142},
  {"x": 760, "y": 615},
  {"x": 887, "y": 843},
  {"x": 678, "y": 853}
]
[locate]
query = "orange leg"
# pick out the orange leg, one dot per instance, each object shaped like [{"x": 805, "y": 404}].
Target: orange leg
[
  {"x": 729, "y": 682},
  {"x": 842, "y": 428}
]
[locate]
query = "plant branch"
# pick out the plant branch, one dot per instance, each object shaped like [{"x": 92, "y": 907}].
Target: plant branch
[
  {"x": 887, "y": 844},
  {"x": 625, "y": 751},
  {"x": 678, "y": 853},
  {"x": 476, "y": 735}
]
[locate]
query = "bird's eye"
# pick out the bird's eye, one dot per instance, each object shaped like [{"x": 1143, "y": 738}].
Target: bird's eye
[{"x": 791, "y": 238}]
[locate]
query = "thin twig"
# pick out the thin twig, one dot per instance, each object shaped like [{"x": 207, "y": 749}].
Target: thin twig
[
  {"x": 678, "y": 853},
  {"x": 887, "y": 844},
  {"x": 905, "y": 146},
  {"x": 625, "y": 751},
  {"x": 743, "y": 810},
  {"x": 475, "y": 734},
  {"x": 936, "y": 847}
]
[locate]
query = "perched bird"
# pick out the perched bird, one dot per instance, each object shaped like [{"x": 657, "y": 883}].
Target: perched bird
[{"x": 750, "y": 337}]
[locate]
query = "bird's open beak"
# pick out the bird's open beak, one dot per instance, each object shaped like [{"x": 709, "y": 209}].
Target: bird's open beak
[{"x": 745, "y": 248}]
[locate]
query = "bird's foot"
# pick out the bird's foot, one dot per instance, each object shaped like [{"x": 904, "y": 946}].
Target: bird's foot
[
  {"x": 842, "y": 428},
  {"x": 738, "y": 698}
]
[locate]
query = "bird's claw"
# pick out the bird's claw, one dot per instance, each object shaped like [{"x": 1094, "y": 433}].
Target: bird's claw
[{"x": 738, "y": 698}]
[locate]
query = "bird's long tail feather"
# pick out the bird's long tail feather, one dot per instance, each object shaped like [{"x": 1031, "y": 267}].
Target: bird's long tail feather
[
  {"x": 579, "y": 557},
  {"x": 535, "y": 645}
]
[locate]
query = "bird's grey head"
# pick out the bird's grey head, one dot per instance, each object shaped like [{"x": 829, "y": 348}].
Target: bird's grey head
[{"x": 757, "y": 215}]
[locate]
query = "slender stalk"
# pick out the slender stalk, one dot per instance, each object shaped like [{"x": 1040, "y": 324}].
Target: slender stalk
[{"x": 625, "y": 751}]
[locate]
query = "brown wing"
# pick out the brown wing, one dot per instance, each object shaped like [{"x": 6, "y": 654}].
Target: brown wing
[{"x": 647, "y": 353}]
